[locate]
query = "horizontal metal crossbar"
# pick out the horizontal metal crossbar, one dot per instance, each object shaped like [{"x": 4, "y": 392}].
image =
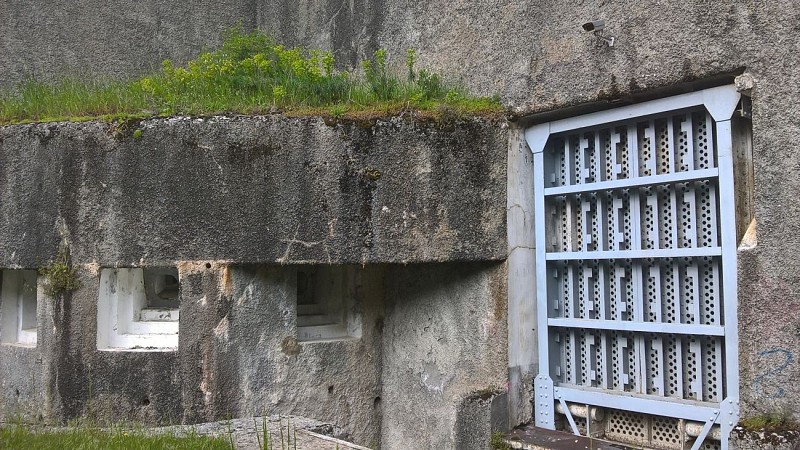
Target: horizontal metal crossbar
[
  {"x": 635, "y": 254},
  {"x": 667, "y": 178},
  {"x": 639, "y": 403},
  {"x": 647, "y": 327}
]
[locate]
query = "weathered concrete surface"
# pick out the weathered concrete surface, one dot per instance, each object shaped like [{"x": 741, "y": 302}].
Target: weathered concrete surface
[
  {"x": 263, "y": 189},
  {"x": 522, "y": 337},
  {"x": 445, "y": 339},
  {"x": 237, "y": 357},
  {"x": 764, "y": 440},
  {"x": 479, "y": 416},
  {"x": 109, "y": 38},
  {"x": 240, "y": 356},
  {"x": 433, "y": 342},
  {"x": 521, "y": 50}
]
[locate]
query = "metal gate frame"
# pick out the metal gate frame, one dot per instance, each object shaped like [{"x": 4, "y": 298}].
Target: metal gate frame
[{"x": 720, "y": 103}]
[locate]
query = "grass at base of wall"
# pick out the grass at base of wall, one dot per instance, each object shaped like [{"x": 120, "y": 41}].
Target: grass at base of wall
[
  {"x": 249, "y": 74},
  {"x": 84, "y": 438}
]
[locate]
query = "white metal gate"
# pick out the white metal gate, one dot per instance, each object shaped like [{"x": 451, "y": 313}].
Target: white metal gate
[{"x": 636, "y": 271}]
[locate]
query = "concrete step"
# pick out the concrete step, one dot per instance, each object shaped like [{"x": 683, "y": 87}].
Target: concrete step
[{"x": 529, "y": 437}]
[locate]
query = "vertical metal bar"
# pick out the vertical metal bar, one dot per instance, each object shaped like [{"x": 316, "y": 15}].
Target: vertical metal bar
[
  {"x": 676, "y": 289},
  {"x": 588, "y": 293},
  {"x": 616, "y": 168},
  {"x": 605, "y": 358},
  {"x": 586, "y": 225},
  {"x": 655, "y": 300},
  {"x": 650, "y": 135},
  {"x": 573, "y": 357},
  {"x": 559, "y": 277},
  {"x": 597, "y": 169},
  {"x": 633, "y": 150},
  {"x": 674, "y": 217},
  {"x": 712, "y": 215},
  {"x": 590, "y": 377},
  {"x": 727, "y": 210},
  {"x": 658, "y": 348},
  {"x": 693, "y": 302},
  {"x": 686, "y": 129},
  {"x": 619, "y": 282},
  {"x": 571, "y": 231},
  {"x": 585, "y": 173},
  {"x": 624, "y": 369},
  {"x": 603, "y": 302},
  {"x": 690, "y": 231},
  {"x": 713, "y": 299},
  {"x": 588, "y": 420},
  {"x": 568, "y": 163},
  {"x": 717, "y": 350},
  {"x": 541, "y": 284},
  {"x": 696, "y": 383},
  {"x": 671, "y": 153},
  {"x": 602, "y": 223},
  {"x": 679, "y": 362},
  {"x": 617, "y": 222},
  {"x": 653, "y": 230},
  {"x": 571, "y": 289}
]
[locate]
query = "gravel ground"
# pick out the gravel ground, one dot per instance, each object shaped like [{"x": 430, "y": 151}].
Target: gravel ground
[
  {"x": 305, "y": 434},
  {"x": 247, "y": 434}
]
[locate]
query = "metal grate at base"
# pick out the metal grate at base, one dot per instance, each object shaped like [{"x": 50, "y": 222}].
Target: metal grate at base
[
  {"x": 642, "y": 431},
  {"x": 628, "y": 427}
]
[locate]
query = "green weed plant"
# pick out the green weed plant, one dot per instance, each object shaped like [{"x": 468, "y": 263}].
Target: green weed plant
[{"x": 249, "y": 74}]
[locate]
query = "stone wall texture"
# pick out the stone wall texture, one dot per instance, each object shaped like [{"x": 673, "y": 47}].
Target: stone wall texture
[
  {"x": 237, "y": 205},
  {"x": 264, "y": 189}
]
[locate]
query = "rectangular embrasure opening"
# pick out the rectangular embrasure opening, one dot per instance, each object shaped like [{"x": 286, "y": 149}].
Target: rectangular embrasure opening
[
  {"x": 138, "y": 309},
  {"x": 326, "y": 304},
  {"x": 18, "y": 307}
]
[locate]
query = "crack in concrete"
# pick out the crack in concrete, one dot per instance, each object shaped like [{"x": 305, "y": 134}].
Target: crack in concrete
[
  {"x": 511, "y": 250},
  {"x": 307, "y": 244}
]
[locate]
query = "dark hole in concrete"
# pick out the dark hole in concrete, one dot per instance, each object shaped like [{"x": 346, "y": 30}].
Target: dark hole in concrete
[
  {"x": 16, "y": 391},
  {"x": 162, "y": 287},
  {"x": 208, "y": 265},
  {"x": 377, "y": 402},
  {"x": 145, "y": 401},
  {"x": 330, "y": 389}
]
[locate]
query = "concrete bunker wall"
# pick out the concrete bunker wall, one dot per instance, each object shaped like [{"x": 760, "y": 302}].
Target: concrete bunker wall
[
  {"x": 537, "y": 58},
  {"x": 239, "y": 207}
]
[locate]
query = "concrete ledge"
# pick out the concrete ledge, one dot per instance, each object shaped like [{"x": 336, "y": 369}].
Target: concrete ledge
[{"x": 253, "y": 189}]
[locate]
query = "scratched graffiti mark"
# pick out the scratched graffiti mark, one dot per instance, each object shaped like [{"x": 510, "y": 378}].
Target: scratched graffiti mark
[{"x": 764, "y": 379}]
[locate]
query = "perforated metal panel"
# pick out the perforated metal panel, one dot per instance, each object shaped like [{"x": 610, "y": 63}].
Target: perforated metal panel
[{"x": 636, "y": 267}]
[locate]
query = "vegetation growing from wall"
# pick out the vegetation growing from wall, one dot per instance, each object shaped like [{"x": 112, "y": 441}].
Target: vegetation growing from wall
[
  {"x": 60, "y": 275},
  {"x": 249, "y": 74}
]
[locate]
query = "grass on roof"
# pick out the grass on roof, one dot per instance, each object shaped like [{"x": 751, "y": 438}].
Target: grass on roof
[{"x": 249, "y": 74}]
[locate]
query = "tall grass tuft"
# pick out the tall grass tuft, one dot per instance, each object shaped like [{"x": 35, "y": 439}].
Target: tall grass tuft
[
  {"x": 250, "y": 73},
  {"x": 88, "y": 438}
]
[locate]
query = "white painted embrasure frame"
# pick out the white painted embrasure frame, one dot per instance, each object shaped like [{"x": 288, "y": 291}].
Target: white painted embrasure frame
[
  {"x": 18, "y": 308},
  {"x": 721, "y": 103},
  {"x": 124, "y": 322}
]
